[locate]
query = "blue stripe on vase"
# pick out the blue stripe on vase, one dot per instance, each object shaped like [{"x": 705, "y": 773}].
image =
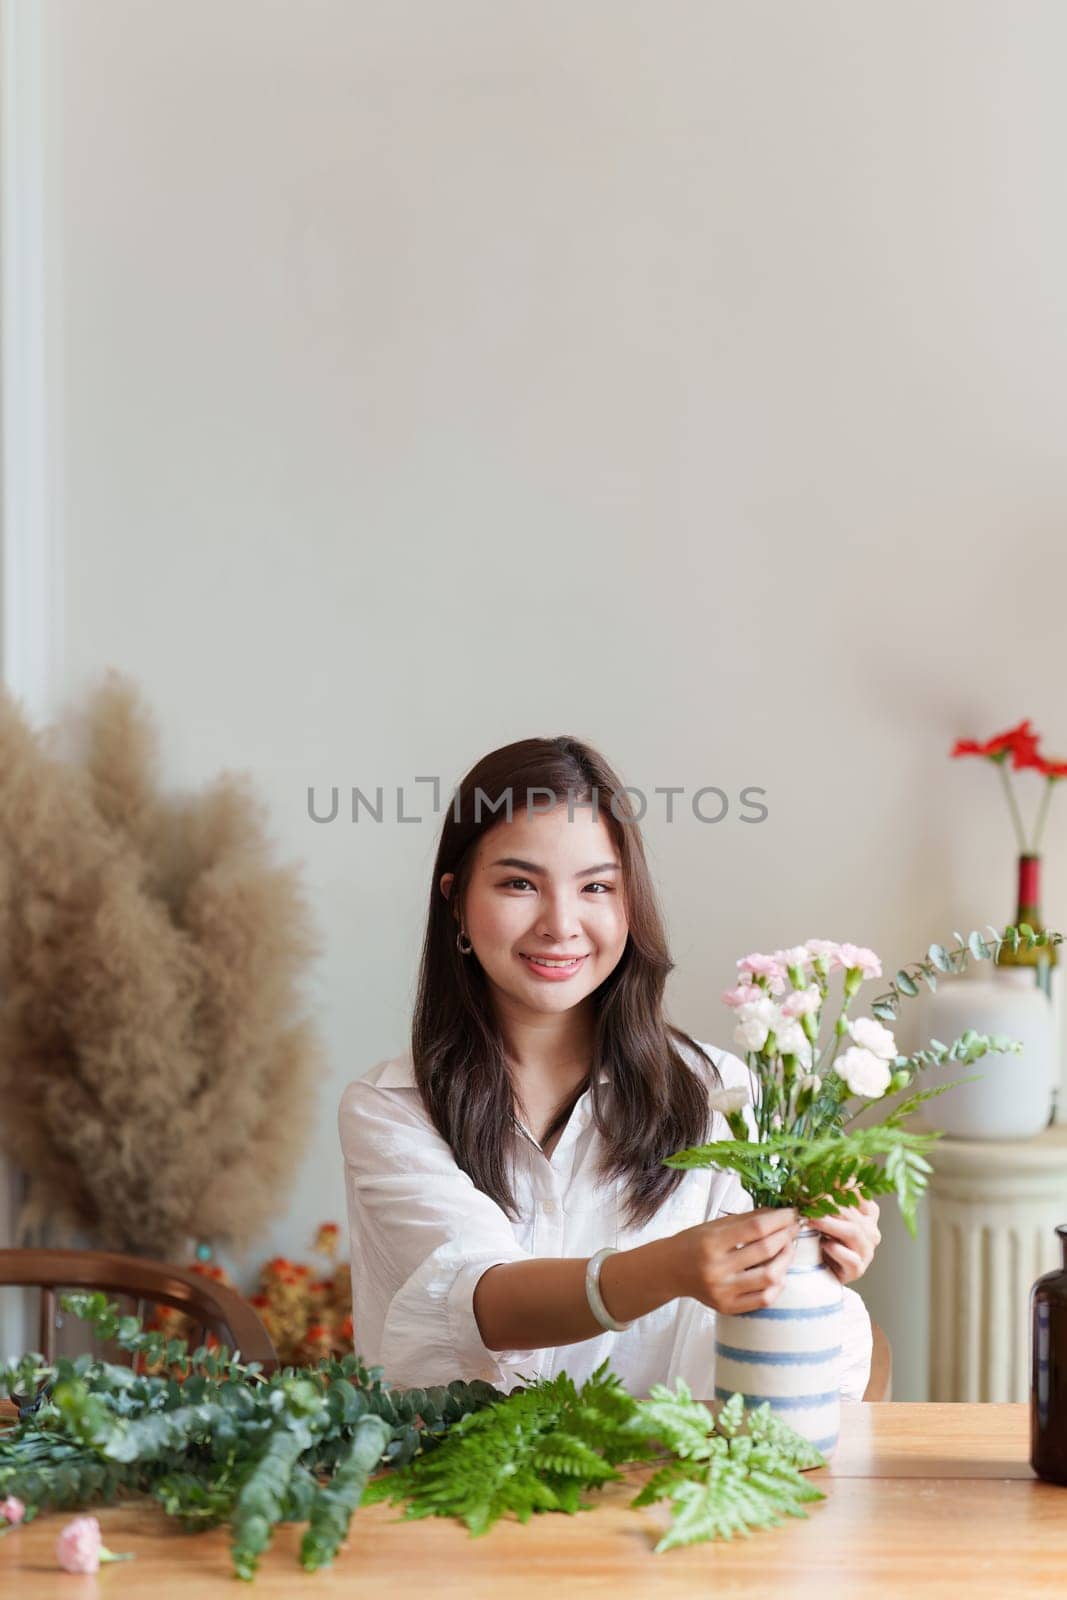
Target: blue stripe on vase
[
  {"x": 779, "y": 1358},
  {"x": 825, "y": 1445},
  {"x": 779, "y": 1314},
  {"x": 798, "y": 1402}
]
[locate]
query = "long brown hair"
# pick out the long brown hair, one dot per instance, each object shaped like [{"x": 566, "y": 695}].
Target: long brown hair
[{"x": 653, "y": 1103}]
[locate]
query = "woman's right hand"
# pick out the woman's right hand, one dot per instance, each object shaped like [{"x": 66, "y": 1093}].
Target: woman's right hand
[{"x": 738, "y": 1263}]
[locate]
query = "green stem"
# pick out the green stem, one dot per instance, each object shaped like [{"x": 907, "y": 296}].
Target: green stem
[
  {"x": 752, "y": 1063},
  {"x": 1013, "y": 806},
  {"x": 823, "y": 1066},
  {"x": 1039, "y": 825}
]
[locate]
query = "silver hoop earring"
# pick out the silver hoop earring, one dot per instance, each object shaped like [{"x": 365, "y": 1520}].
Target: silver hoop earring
[{"x": 463, "y": 944}]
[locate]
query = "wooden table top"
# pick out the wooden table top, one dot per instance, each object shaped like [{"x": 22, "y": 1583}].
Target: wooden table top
[{"x": 923, "y": 1500}]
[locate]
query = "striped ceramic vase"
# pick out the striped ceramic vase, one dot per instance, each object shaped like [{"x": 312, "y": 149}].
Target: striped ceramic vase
[{"x": 789, "y": 1354}]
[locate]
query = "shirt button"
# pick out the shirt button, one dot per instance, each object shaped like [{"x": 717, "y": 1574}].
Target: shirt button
[{"x": 549, "y": 1207}]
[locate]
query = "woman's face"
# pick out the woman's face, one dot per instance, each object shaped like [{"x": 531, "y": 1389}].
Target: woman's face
[{"x": 546, "y": 885}]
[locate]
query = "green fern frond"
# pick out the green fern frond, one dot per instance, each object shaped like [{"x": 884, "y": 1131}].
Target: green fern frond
[
  {"x": 819, "y": 1176},
  {"x": 535, "y": 1451},
  {"x": 663, "y": 1481},
  {"x": 764, "y": 1426},
  {"x": 567, "y": 1456},
  {"x": 734, "y": 1497},
  {"x": 681, "y": 1423},
  {"x": 737, "y": 1480}
]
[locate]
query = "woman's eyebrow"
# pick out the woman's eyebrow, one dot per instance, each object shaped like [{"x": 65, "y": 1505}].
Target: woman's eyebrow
[{"x": 531, "y": 866}]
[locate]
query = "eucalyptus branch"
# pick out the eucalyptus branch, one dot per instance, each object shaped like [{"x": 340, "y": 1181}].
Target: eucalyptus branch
[
  {"x": 224, "y": 1444},
  {"x": 967, "y": 1049},
  {"x": 940, "y": 960}
]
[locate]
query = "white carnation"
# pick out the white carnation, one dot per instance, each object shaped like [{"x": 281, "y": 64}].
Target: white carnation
[
  {"x": 728, "y": 1101},
  {"x": 864, "y": 1072},
  {"x": 755, "y": 1020},
  {"x": 791, "y": 1040},
  {"x": 873, "y": 1037},
  {"x": 751, "y": 1034},
  {"x": 762, "y": 1010}
]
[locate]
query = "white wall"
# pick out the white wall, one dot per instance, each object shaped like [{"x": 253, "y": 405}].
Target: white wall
[{"x": 688, "y": 376}]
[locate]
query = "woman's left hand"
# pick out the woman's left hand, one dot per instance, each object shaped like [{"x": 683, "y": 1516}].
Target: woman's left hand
[{"x": 851, "y": 1239}]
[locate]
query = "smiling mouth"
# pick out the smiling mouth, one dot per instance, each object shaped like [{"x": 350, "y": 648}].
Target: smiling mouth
[{"x": 554, "y": 963}]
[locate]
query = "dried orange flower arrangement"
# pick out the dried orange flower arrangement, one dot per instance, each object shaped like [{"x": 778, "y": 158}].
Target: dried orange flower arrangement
[{"x": 307, "y": 1312}]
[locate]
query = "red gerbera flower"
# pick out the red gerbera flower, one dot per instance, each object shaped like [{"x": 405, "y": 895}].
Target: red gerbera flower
[{"x": 1020, "y": 742}]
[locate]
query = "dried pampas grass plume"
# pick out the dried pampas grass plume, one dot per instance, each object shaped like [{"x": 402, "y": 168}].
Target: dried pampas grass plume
[{"x": 157, "y": 1075}]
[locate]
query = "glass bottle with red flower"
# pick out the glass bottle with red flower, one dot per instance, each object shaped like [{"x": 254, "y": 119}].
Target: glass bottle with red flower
[{"x": 1019, "y": 746}]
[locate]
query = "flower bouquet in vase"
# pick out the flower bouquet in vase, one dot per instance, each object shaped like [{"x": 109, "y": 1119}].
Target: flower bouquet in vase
[{"x": 794, "y": 1144}]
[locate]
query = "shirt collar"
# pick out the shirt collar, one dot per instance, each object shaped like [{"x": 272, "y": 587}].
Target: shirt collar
[{"x": 400, "y": 1073}]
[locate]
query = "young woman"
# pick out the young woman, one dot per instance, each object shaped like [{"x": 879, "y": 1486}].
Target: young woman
[{"x": 524, "y": 1131}]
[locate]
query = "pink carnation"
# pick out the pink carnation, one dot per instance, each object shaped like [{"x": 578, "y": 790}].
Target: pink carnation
[
  {"x": 802, "y": 1002},
  {"x": 742, "y": 995},
  {"x": 12, "y": 1510},
  {"x": 827, "y": 948},
  {"x": 857, "y": 955},
  {"x": 78, "y": 1546},
  {"x": 759, "y": 966},
  {"x": 797, "y": 955}
]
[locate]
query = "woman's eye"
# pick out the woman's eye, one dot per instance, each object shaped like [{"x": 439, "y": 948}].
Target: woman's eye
[{"x": 512, "y": 882}]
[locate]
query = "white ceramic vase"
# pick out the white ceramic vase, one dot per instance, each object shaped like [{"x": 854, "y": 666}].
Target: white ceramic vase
[
  {"x": 1012, "y": 1098},
  {"x": 789, "y": 1354}
]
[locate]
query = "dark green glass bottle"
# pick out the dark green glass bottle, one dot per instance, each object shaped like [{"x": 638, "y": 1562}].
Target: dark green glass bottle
[{"x": 1048, "y": 1371}]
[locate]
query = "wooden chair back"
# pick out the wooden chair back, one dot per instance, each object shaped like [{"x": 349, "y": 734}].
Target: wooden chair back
[{"x": 213, "y": 1307}]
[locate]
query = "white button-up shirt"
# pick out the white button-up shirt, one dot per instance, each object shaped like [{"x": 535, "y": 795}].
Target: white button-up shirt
[{"x": 422, "y": 1234}]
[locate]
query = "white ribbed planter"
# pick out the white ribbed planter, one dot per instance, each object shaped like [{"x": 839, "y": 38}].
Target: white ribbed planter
[
  {"x": 789, "y": 1354},
  {"x": 993, "y": 1212},
  {"x": 1010, "y": 1096}
]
